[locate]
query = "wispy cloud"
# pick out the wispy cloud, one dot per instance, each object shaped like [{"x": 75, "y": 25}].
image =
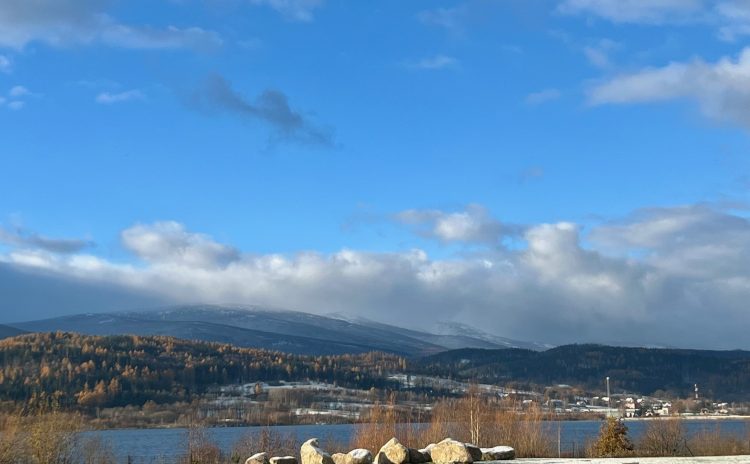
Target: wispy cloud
[
  {"x": 76, "y": 22},
  {"x": 598, "y": 53},
  {"x": 19, "y": 91},
  {"x": 434, "y": 62},
  {"x": 294, "y": 10},
  {"x": 109, "y": 98},
  {"x": 543, "y": 96},
  {"x": 5, "y": 64},
  {"x": 448, "y": 18},
  {"x": 17, "y": 96},
  {"x": 24, "y": 239},
  {"x": 270, "y": 106},
  {"x": 635, "y": 11}
]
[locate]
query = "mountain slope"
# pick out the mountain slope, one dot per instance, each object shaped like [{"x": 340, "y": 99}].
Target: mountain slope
[
  {"x": 290, "y": 331},
  {"x": 7, "y": 331},
  {"x": 116, "y": 324}
]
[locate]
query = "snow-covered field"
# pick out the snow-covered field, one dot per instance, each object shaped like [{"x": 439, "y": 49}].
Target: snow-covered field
[{"x": 698, "y": 460}]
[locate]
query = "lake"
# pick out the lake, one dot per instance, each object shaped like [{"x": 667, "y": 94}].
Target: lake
[{"x": 162, "y": 446}]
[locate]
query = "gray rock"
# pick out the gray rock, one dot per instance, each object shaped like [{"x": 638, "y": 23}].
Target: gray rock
[
  {"x": 392, "y": 452},
  {"x": 311, "y": 453},
  {"x": 498, "y": 453},
  {"x": 450, "y": 451},
  {"x": 260, "y": 458},
  {"x": 360, "y": 456},
  {"x": 283, "y": 460},
  {"x": 476, "y": 453}
]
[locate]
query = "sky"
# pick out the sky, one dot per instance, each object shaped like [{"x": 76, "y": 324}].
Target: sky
[{"x": 550, "y": 170}]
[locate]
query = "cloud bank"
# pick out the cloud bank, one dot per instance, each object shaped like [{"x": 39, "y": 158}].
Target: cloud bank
[{"x": 674, "y": 276}]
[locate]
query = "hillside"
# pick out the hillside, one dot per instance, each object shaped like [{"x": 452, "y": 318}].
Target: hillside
[
  {"x": 71, "y": 370},
  {"x": 288, "y": 331},
  {"x": 719, "y": 374},
  {"x": 7, "y": 331}
]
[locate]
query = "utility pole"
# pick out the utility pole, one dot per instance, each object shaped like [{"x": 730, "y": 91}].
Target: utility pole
[{"x": 609, "y": 400}]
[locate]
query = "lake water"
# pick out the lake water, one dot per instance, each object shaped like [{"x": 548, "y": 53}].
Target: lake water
[{"x": 161, "y": 446}]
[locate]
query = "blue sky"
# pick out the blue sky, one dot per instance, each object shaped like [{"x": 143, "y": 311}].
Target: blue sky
[{"x": 193, "y": 141}]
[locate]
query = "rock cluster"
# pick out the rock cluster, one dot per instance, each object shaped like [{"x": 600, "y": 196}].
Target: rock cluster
[{"x": 448, "y": 451}]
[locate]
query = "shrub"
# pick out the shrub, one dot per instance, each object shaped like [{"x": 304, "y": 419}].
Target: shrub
[
  {"x": 613, "y": 440},
  {"x": 663, "y": 437}
]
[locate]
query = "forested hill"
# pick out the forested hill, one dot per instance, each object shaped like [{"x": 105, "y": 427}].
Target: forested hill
[
  {"x": 720, "y": 374},
  {"x": 71, "y": 370}
]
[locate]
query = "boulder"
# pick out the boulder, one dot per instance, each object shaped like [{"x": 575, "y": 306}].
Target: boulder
[
  {"x": 427, "y": 450},
  {"x": 357, "y": 456},
  {"x": 476, "y": 453},
  {"x": 341, "y": 458},
  {"x": 418, "y": 457},
  {"x": 260, "y": 458},
  {"x": 498, "y": 453},
  {"x": 450, "y": 451},
  {"x": 311, "y": 453},
  {"x": 283, "y": 460},
  {"x": 360, "y": 456},
  {"x": 392, "y": 452}
]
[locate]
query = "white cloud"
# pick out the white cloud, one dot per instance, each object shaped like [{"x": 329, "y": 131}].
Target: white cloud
[
  {"x": 435, "y": 62},
  {"x": 721, "y": 89},
  {"x": 543, "y": 96},
  {"x": 475, "y": 224},
  {"x": 119, "y": 97},
  {"x": 682, "y": 268},
  {"x": 169, "y": 243},
  {"x": 73, "y": 22},
  {"x": 16, "y": 105},
  {"x": 294, "y": 10},
  {"x": 635, "y": 11}
]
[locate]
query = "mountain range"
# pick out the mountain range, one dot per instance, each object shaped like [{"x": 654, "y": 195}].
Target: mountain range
[{"x": 281, "y": 330}]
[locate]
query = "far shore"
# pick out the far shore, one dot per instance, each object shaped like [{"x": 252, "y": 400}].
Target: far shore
[{"x": 690, "y": 417}]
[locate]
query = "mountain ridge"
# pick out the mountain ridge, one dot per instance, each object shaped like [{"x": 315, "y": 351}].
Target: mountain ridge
[{"x": 259, "y": 327}]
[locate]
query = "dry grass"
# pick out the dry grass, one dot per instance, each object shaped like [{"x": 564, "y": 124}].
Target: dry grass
[
  {"x": 52, "y": 438},
  {"x": 472, "y": 419},
  {"x": 711, "y": 442},
  {"x": 383, "y": 422},
  {"x": 200, "y": 448},
  {"x": 267, "y": 440},
  {"x": 663, "y": 437}
]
